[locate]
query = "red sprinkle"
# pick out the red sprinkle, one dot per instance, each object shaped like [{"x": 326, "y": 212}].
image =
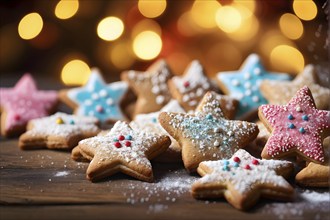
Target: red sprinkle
[
  {"x": 247, "y": 167},
  {"x": 117, "y": 145},
  {"x": 17, "y": 117},
  {"x": 186, "y": 84},
  {"x": 236, "y": 159},
  {"x": 121, "y": 137},
  {"x": 255, "y": 162},
  {"x": 128, "y": 143}
]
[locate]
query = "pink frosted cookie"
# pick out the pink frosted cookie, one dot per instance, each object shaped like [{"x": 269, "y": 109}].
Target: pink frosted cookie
[
  {"x": 124, "y": 150},
  {"x": 58, "y": 131},
  {"x": 297, "y": 128},
  {"x": 23, "y": 103},
  {"x": 190, "y": 88},
  {"x": 242, "y": 179}
]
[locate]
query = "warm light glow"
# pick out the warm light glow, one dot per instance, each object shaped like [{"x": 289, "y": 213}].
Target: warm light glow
[
  {"x": 203, "y": 13},
  {"x": 250, "y": 4},
  {"x": 30, "y": 26},
  {"x": 110, "y": 28},
  {"x": 147, "y": 45},
  {"x": 291, "y": 26},
  {"x": 186, "y": 26},
  {"x": 287, "y": 59},
  {"x": 272, "y": 39},
  {"x": 247, "y": 31},
  {"x": 228, "y": 19},
  {"x": 75, "y": 72},
  {"x": 152, "y": 8},
  {"x": 121, "y": 56},
  {"x": 66, "y": 8},
  {"x": 145, "y": 25},
  {"x": 305, "y": 9}
]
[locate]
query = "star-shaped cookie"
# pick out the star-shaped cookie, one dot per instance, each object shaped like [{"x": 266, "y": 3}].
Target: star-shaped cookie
[
  {"x": 149, "y": 123},
  {"x": 316, "y": 175},
  {"x": 58, "y": 131},
  {"x": 207, "y": 134},
  {"x": 228, "y": 105},
  {"x": 244, "y": 85},
  {"x": 150, "y": 87},
  {"x": 280, "y": 93},
  {"x": 123, "y": 150},
  {"x": 97, "y": 99},
  {"x": 243, "y": 179},
  {"x": 297, "y": 128},
  {"x": 23, "y": 103},
  {"x": 190, "y": 88}
]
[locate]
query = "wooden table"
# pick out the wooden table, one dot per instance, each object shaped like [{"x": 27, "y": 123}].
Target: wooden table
[{"x": 45, "y": 184}]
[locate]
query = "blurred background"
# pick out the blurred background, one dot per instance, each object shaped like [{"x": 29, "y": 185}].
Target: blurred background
[{"x": 60, "y": 40}]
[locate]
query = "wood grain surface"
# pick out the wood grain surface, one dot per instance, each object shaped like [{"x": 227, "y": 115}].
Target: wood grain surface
[{"x": 45, "y": 184}]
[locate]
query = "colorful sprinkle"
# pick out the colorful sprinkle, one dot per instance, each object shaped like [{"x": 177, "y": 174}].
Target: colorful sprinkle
[
  {"x": 236, "y": 159},
  {"x": 117, "y": 145},
  {"x": 99, "y": 109},
  {"x": 302, "y": 130},
  {"x": 226, "y": 168},
  {"x": 17, "y": 117},
  {"x": 225, "y": 162},
  {"x": 186, "y": 84},
  {"x": 236, "y": 164},
  {"x": 209, "y": 116},
  {"x": 72, "y": 122},
  {"x": 290, "y": 116},
  {"x": 291, "y": 126},
  {"x": 128, "y": 143},
  {"x": 59, "y": 121},
  {"x": 121, "y": 137},
  {"x": 128, "y": 137},
  {"x": 304, "y": 117},
  {"x": 247, "y": 167},
  {"x": 115, "y": 139},
  {"x": 255, "y": 162},
  {"x": 154, "y": 120}
]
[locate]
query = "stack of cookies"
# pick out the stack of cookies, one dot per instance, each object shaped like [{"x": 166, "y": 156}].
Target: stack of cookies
[{"x": 191, "y": 119}]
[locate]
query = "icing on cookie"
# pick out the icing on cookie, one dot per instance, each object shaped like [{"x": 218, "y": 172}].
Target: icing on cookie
[
  {"x": 207, "y": 129},
  {"x": 158, "y": 80},
  {"x": 193, "y": 85},
  {"x": 25, "y": 102},
  {"x": 244, "y": 84},
  {"x": 60, "y": 125},
  {"x": 122, "y": 143},
  {"x": 99, "y": 99},
  {"x": 281, "y": 93},
  {"x": 297, "y": 125},
  {"x": 245, "y": 172}
]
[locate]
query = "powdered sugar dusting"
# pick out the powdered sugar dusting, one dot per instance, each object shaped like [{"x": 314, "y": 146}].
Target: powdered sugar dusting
[
  {"x": 245, "y": 172},
  {"x": 67, "y": 126}
]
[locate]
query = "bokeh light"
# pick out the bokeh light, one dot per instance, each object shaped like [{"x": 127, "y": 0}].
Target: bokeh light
[
  {"x": 247, "y": 30},
  {"x": 152, "y": 8},
  {"x": 186, "y": 26},
  {"x": 272, "y": 39},
  {"x": 145, "y": 25},
  {"x": 30, "y": 26},
  {"x": 121, "y": 55},
  {"x": 287, "y": 59},
  {"x": 291, "y": 26},
  {"x": 75, "y": 72},
  {"x": 66, "y": 9},
  {"x": 203, "y": 13},
  {"x": 147, "y": 45},
  {"x": 110, "y": 28},
  {"x": 228, "y": 19},
  {"x": 305, "y": 9}
]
